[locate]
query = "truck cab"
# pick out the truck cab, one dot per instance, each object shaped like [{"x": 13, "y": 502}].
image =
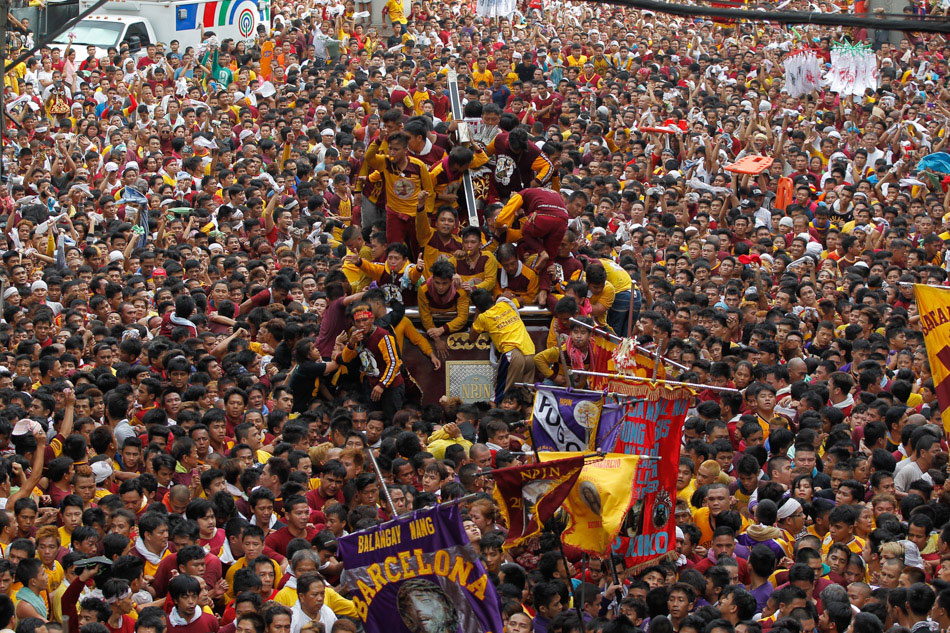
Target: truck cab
[{"x": 104, "y": 31}]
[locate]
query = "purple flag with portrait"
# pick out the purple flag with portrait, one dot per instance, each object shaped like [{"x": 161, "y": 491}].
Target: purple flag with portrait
[{"x": 422, "y": 568}]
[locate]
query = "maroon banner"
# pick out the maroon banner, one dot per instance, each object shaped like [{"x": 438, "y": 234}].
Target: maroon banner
[{"x": 529, "y": 495}]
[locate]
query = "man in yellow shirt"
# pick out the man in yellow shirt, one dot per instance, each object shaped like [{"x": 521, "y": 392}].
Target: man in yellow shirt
[
  {"x": 481, "y": 73},
  {"x": 602, "y": 292},
  {"x": 510, "y": 340},
  {"x": 440, "y": 242},
  {"x": 397, "y": 15},
  {"x": 408, "y": 186},
  {"x": 619, "y": 310},
  {"x": 438, "y": 295},
  {"x": 304, "y": 562},
  {"x": 576, "y": 58},
  {"x": 356, "y": 245},
  {"x": 516, "y": 281}
]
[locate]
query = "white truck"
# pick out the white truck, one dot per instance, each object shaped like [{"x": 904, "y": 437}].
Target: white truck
[{"x": 143, "y": 22}]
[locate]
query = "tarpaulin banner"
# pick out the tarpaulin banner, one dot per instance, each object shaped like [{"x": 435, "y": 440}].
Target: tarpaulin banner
[
  {"x": 651, "y": 427},
  {"x": 933, "y": 305},
  {"x": 598, "y": 502},
  {"x": 562, "y": 419},
  {"x": 423, "y": 568},
  {"x": 529, "y": 495}
]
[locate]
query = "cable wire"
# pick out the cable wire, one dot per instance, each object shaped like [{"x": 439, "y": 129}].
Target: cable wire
[{"x": 785, "y": 17}]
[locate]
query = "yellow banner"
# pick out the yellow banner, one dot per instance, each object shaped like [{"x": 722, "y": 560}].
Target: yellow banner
[
  {"x": 599, "y": 501},
  {"x": 933, "y": 305}
]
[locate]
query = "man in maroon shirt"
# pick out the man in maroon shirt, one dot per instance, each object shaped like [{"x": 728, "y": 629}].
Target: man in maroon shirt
[
  {"x": 187, "y": 616},
  {"x": 207, "y": 566},
  {"x": 331, "y": 482},
  {"x": 297, "y": 514},
  {"x": 60, "y": 474}
]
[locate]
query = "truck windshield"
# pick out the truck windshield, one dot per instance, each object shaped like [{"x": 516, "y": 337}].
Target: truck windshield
[{"x": 94, "y": 33}]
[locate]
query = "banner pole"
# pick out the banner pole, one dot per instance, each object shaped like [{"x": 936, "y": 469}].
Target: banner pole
[
  {"x": 570, "y": 585},
  {"x": 382, "y": 483},
  {"x": 616, "y": 339},
  {"x": 691, "y": 385},
  {"x": 597, "y": 454},
  {"x": 613, "y": 572},
  {"x": 588, "y": 391},
  {"x": 568, "y": 378}
]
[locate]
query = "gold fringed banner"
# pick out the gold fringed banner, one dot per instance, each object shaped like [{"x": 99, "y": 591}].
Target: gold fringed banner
[
  {"x": 638, "y": 568},
  {"x": 649, "y": 391}
]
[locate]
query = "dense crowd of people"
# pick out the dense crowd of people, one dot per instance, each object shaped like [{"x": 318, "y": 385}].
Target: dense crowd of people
[{"x": 209, "y": 252}]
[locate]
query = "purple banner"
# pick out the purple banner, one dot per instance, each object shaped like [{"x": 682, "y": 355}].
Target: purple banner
[
  {"x": 561, "y": 419},
  {"x": 423, "y": 568},
  {"x": 608, "y": 428}
]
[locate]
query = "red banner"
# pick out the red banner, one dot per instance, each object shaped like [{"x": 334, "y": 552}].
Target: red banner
[{"x": 652, "y": 427}]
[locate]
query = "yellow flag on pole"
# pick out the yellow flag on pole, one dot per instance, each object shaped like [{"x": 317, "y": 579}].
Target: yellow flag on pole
[
  {"x": 933, "y": 305},
  {"x": 599, "y": 501}
]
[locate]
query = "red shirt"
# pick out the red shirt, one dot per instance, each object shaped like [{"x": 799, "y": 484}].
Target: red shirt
[
  {"x": 316, "y": 501},
  {"x": 278, "y": 540},
  {"x": 163, "y": 573},
  {"x": 204, "y": 624},
  {"x": 127, "y": 626}
]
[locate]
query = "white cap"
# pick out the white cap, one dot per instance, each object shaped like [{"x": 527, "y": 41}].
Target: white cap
[
  {"x": 27, "y": 426},
  {"x": 116, "y": 256},
  {"x": 131, "y": 165},
  {"x": 101, "y": 470},
  {"x": 39, "y": 284},
  {"x": 328, "y": 132},
  {"x": 110, "y": 166},
  {"x": 9, "y": 292}
]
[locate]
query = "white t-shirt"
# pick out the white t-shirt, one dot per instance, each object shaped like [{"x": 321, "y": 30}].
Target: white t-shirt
[{"x": 908, "y": 475}]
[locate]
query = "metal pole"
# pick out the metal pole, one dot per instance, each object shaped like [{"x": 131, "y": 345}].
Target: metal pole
[
  {"x": 691, "y": 385},
  {"x": 908, "y": 283},
  {"x": 785, "y": 17},
  {"x": 593, "y": 454},
  {"x": 587, "y": 391},
  {"x": 382, "y": 483}
]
